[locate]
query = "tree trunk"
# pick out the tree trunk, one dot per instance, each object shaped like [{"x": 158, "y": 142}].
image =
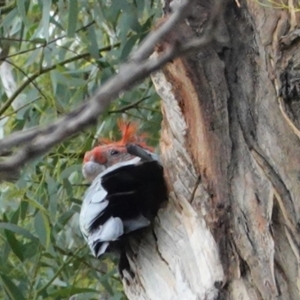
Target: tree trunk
[{"x": 231, "y": 152}]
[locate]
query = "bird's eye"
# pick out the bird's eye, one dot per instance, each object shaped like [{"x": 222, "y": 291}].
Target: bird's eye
[{"x": 114, "y": 152}]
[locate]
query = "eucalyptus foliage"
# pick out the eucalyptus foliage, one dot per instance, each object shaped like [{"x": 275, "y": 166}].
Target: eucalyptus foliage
[{"x": 57, "y": 54}]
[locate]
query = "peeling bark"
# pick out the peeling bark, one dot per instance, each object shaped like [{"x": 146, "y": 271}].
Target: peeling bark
[{"x": 231, "y": 153}]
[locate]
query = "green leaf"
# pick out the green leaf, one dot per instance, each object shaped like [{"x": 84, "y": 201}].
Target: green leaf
[
  {"x": 106, "y": 284},
  {"x": 14, "y": 244},
  {"x": 19, "y": 230},
  {"x": 23, "y": 209},
  {"x": 36, "y": 204},
  {"x": 15, "y": 217},
  {"x": 56, "y": 23},
  {"x": 68, "y": 187},
  {"x": 121, "y": 5},
  {"x": 128, "y": 47},
  {"x": 140, "y": 6},
  {"x": 39, "y": 41},
  {"x": 65, "y": 217},
  {"x": 52, "y": 187},
  {"x": 72, "y": 18},
  {"x": 9, "y": 20},
  {"x": 12, "y": 291},
  {"x": 76, "y": 201},
  {"x": 117, "y": 296},
  {"x": 54, "y": 81},
  {"x": 32, "y": 57},
  {"x": 70, "y": 291},
  {"x": 69, "y": 170},
  {"x": 22, "y": 11},
  {"x": 63, "y": 220},
  {"x": 49, "y": 52},
  {"x": 46, "y": 18},
  {"x": 30, "y": 249},
  {"x": 42, "y": 228},
  {"x": 93, "y": 45}
]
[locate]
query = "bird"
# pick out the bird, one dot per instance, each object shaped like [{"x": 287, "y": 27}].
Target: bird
[{"x": 127, "y": 188}]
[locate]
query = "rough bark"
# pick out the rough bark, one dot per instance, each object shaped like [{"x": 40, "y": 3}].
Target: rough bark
[{"x": 231, "y": 152}]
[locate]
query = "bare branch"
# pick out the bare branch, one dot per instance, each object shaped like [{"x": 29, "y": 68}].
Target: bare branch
[{"x": 38, "y": 141}]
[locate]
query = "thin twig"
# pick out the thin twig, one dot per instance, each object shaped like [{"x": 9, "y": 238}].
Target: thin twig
[
  {"x": 59, "y": 270},
  {"x": 24, "y": 73},
  {"x": 127, "y": 107},
  {"x": 19, "y": 108}
]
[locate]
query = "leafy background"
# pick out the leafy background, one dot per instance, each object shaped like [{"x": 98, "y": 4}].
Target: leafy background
[{"x": 54, "y": 56}]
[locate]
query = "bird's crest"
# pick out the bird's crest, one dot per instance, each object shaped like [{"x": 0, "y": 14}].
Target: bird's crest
[{"x": 129, "y": 131}]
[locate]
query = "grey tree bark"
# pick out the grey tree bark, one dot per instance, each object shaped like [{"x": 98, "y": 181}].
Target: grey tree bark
[{"x": 231, "y": 152}]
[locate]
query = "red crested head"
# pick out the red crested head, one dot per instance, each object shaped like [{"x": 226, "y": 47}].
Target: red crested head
[{"x": 112, "y": 152}]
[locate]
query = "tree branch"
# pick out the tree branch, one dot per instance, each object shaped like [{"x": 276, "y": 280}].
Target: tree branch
[{"x": 38, "y": 141}]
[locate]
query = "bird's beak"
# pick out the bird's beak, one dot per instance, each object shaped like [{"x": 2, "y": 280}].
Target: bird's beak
[{"x": 91, "y": 170}]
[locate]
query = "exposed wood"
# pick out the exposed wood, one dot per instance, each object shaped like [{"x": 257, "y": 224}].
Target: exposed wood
[{"x": 191, "y": 269}]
